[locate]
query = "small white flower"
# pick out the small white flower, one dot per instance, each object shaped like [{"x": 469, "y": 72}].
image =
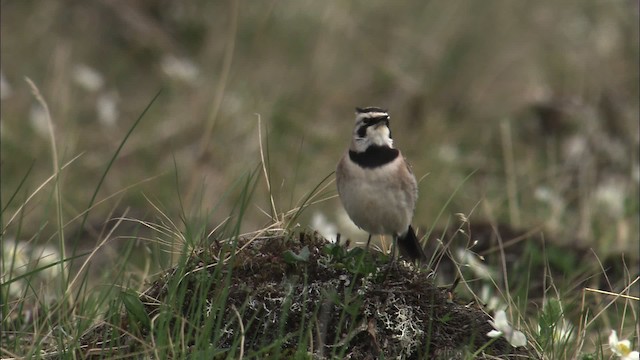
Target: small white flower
[
  {"x": 323, "y": 226},
  {"x": 107, "y": 108},
  {"x": 180, "y": 68},
  {"x": 87, "y": 77},
  {"x": 471, "y": 260},
  {"x": 491, "y": 301},
  {"x": 546, "y": 195},
  {"x": 562, "y": 332},
  {"x": 46, "y": 256},
  {"x": 15, "y": 255},
  {"x": 575, "y": 148},
  {"x": 39, "y": 120},
  {"x": 611, "y": 195},
  {"x": 448, "y": 153},
  {"x": 15, "y": 259},
  {"x": 502, "y": 328},
  {"x": 622, "y": 348}
]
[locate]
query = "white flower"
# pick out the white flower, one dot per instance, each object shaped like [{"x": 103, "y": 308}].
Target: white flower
[
  {"x": 15, "y": 259},
  {"x": 502, "y": 328},
  {"x": 321, "y": 224},
  {"x": 39, "y": 120},
  {"x": 15, "y": 255},
  {"x": 491, "y": 301},
  {"x": 107, "y": 108},
  {"x": 471, "y": 260},
  {"x": 87, "y": 77},
  {"x": 46, "y": 256},
  {"x": 622, "y": 348},
  {"x": 180, "y": 68},
  {"x": 611, "y": 195},
  {"x": 448, "y": 153},
  {"x": 548, "y": 196},
  {"x": 562, "y": 332}
]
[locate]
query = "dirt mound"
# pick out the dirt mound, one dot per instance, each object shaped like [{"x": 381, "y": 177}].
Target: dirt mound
[{"x": 282, "y": 297}]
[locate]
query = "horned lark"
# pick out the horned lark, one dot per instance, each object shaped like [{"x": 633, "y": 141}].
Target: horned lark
[{"x": 376, "y": 185}]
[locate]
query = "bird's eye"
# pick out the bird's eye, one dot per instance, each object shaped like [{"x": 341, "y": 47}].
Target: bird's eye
[{"x": 362, "y": 131}]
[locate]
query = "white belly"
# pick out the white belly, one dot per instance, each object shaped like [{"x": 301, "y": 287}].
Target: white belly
[{"x": 376, "y": 200}]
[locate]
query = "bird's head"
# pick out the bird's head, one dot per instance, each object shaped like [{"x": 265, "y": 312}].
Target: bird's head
[{"x": 372, "y": 128}]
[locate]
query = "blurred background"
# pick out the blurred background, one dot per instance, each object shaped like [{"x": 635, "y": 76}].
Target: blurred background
[{"x": 521, "y": 113}]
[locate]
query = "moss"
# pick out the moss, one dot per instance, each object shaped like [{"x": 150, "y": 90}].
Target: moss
[{"x": 336, "y": 302}]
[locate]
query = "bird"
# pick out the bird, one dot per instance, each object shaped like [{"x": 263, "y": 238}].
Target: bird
[{"x": 376, "y": 185}]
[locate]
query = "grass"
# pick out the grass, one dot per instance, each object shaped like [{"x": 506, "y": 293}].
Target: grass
[
  {"x": 522, "y": 118},
  {"x": 278, "y": 292}
]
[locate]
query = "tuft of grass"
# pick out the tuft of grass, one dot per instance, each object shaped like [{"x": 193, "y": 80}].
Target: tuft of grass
[{"x": 44, "y": 304}]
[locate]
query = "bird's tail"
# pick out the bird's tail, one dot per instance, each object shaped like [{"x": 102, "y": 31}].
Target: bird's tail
[{"x": 410, "y": 247}]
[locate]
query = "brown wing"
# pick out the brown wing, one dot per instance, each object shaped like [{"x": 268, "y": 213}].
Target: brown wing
[{"x": 411, "y": 184}]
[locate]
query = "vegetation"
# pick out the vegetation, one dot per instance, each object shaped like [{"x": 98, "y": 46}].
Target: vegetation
[{"x": 164, "y": 166}]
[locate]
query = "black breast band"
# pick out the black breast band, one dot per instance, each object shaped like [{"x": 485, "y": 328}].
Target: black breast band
[{"x": 374, "y": 156}]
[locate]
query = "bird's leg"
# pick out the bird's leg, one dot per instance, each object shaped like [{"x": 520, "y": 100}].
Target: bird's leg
[
  {"x": 368, "y": 242},
  {"x": 392, "y": 262},
  {"x": 394, "y": 240}
]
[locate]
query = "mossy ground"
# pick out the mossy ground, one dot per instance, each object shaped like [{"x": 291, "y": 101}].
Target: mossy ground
[{"x": 339, "y": 302}]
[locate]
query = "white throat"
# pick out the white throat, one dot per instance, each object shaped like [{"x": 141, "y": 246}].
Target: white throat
[
  {"x": 379, "y": 135},
  {"x": 375, "y": 136}
]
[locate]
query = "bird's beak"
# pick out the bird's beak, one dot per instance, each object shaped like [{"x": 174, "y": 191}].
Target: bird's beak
[{"x": 382, "y": 121}]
